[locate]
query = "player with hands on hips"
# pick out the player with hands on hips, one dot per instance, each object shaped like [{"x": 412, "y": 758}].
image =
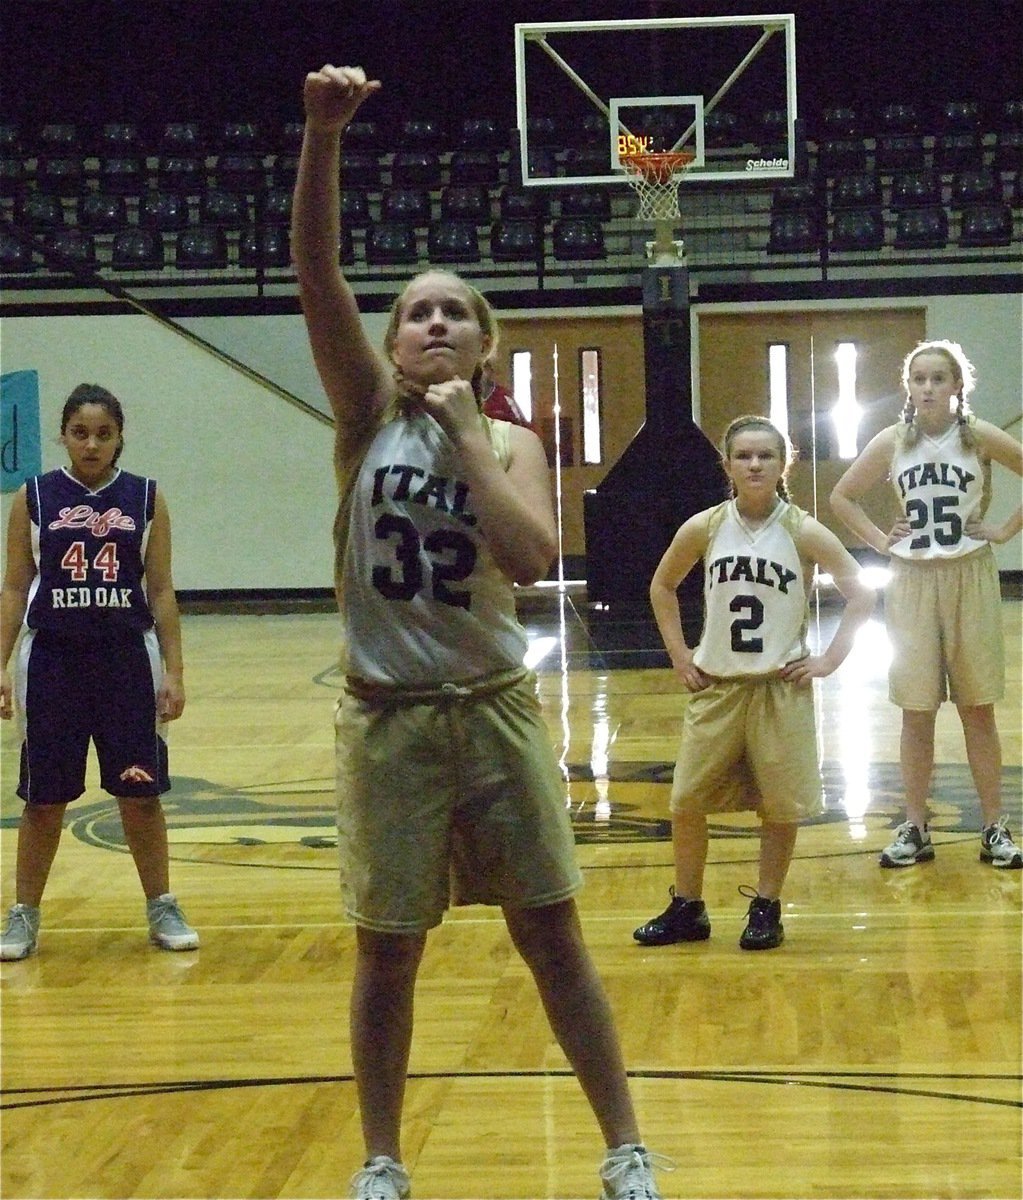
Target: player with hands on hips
[
  {"x": 447, "y": 784},
  {"x": 88, "y": 575},
  {"x": 943, "y": 599},
  {"x": 749, "y": 739}
]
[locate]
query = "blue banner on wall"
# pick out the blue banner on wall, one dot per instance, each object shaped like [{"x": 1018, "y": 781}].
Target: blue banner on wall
[{"x": 20, "y": 449}]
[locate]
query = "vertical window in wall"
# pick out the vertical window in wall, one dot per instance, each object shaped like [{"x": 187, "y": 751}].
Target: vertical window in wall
[
  {"x": 778, "y": 385},
  {"x": 589, "y": 383},
  {"x": 846, "y": 412},
  {"x": 522, "y": 381}
]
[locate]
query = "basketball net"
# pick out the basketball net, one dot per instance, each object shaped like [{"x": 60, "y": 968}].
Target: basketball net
[{"x": 655, "y": 179}]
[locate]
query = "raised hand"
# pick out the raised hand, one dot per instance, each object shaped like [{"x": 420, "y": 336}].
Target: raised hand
[{"x": 332, "y": 95}]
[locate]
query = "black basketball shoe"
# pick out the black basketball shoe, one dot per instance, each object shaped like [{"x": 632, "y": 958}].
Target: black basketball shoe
[{"x": 681, "y": 921}]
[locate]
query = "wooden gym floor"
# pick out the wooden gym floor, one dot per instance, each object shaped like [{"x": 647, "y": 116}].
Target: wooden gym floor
[{"x": 875, "y": 1054}]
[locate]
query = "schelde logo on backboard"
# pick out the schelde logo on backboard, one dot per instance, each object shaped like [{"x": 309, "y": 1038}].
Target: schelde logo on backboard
[{"x": 766, "y": 164}]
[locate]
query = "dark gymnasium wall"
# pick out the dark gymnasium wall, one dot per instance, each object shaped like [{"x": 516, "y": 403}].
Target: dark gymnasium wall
[{"x": 152, "y": 61}]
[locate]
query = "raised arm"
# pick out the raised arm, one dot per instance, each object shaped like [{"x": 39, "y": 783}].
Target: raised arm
[
  {"x": 353, "y": 374},
  {"x": 866, "y": 472}
]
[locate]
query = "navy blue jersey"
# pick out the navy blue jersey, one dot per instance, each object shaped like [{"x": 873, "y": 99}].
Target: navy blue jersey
[{"x": 89, "y": 550}]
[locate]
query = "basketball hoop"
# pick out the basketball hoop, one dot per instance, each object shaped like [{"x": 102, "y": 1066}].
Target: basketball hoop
[{"x": 654, "y": 177}]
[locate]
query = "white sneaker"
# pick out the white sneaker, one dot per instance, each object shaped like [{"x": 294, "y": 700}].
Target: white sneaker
[
  {"x": 998, "y": 848},
  {"x": 168, "y": 928},
  {"x": 627, "y": 1173},
  {"x": 381, "y": 1179},
  {"x": 911, "y": 845},
  {"x": 21, "y": 934}
]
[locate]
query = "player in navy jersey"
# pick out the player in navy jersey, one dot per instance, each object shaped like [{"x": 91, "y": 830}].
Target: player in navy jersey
[
  {"x": 943, "y": 601},
  {"x": 447, "y": 778},
  {"x": 89, "y": 577}
]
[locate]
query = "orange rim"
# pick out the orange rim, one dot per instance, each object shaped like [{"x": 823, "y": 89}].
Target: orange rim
[{"x": 657, "y": 168}]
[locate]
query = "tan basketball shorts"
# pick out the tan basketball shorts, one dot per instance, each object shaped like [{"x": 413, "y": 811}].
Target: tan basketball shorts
[
  {"x": 749, "y": 743},
  {"x": 944, "y": 623},
  {"x": 449, "y": 796}
]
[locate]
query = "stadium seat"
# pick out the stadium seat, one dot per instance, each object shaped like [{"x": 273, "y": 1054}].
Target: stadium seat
[
  {"x": 366, "y": 137},
  {"x": 391, "y": 242},
  {"x": 291, "y": 135},
  {"x": 123, "y": 173},
  {"x": 184, "y": 173},
  {"x": 483, "y": 133},
  {"x": 453, "y": 241},
  {"x": 76, "y": 245},
  {"x": 39, "y": 210},
  {"x": 793, "y": 232},
  {"x": 137, "y": 250},
  {"x": 13, "y": 176},
  {"x": 162, "y": 210},
  {"x": 417, "y": 169},
  {"x": 275, "y": 206},
  {"x": 588, "y": 160},
  {"x": 264, "y": 247},
  {"x": 239, "y": 137},
  {"x": 10, "y": 139},
  {"x": 975, "y": 187},
  {"x": 986, "y": 225},
  {"x": 59, "y": 138},
  {"x": 900, "y": 152},
  {"x": 406, "y": 204},
  {"x": 61, "y": 174},
  {"x": 119, "y": 138},
  {"x": 578, "y": 238},
  {"x": 857, "y": 229},
  {"x": 102, "y": 212},
  {"x": 521, "y": 204},
  {"x": 586, "y": 202},
  {"x": 921, "y": 229},
  {"x": 899, "y": 118},
  {"x": 181, "y": 138},
  {"x": 516, "y": 241},
  {"x": 911, "y": 189},
  {"x": 360, "y": 170},
  {"x": 955, "y": 116},
  {"x": 958, "y": 152},
  {"x": 465, "y": 202},
  {"x": 354, "y": 208},
  {"x": 424, "y": 133},
  {"x": 15, "y": 254},
  {"x": 223, "y": 210},
  {"x": 201, "y": 249},
  {"x": 801, "y": 196},
  {"x": 839, "y": 121},
  {"x": 236, "y": 171},
  {"x": 860, "y": 190},
  {"x": 721, "y": 128},
  {"x": 1008, "y": 151},
  {"x": 839, "y": 155},
  {"x": 475, "y": 167}
]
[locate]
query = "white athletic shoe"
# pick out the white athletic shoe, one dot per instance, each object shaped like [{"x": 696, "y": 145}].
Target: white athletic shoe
[
  {"x": 381, "y": 1179},
  {"x": 627, "y": 1173},
  {"x": 21, "y": 934},
  {"x": 911, "y": 845},
  {"x": 998, "y": 848},
  {"x": 168, "y": 928}
]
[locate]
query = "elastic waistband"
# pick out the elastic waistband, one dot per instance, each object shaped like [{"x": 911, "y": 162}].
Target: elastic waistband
[{"x": 384, "y": 695}]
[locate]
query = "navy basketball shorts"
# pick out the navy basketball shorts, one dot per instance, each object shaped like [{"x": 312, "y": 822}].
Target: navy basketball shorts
[{"x": 71, "y": 692}]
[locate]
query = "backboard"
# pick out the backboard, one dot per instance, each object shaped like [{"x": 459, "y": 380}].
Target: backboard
[{"x": 723, "y": 88}]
